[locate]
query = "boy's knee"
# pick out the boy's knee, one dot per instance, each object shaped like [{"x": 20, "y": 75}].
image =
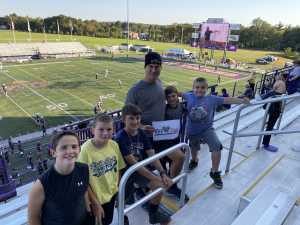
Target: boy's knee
[{"x": 178, "y": 156}]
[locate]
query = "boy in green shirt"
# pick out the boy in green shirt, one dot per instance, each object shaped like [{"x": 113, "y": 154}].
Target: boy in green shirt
[{"x": 105, "y": 161}]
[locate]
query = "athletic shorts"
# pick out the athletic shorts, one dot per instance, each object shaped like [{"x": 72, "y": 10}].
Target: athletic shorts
[
  {"x": 108, "y": 209},
  {"x": 209, "y": 137}
]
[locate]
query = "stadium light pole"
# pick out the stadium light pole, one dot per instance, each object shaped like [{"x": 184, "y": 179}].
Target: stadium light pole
[{"x": 127, "y": 6}]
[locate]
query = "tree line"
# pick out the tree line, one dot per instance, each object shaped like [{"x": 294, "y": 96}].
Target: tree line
[{"x": 259, "y": 35}]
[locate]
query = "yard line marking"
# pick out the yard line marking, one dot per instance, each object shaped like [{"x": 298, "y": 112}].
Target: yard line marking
[
  {"x": 86, "y": 77},
  {"x": 34, "y": 64},
  {"x": 20, "y": 107},
  {"x": 42, "y": 96},
  {"x": 80, "y": 99}
]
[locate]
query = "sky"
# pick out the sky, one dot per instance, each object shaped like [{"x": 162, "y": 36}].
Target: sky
[{"x": 160, "y": 11}]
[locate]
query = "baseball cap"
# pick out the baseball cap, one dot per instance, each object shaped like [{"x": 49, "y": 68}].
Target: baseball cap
[{"x": 153, "y": 58}]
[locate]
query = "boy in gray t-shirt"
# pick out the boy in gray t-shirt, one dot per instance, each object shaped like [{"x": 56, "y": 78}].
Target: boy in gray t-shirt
[{"x": 201, "y": 109}]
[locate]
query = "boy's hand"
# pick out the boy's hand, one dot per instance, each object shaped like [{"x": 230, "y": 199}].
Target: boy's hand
[
  {"x": 167, "y": 182},
  {"x": 98, "y": 211}
]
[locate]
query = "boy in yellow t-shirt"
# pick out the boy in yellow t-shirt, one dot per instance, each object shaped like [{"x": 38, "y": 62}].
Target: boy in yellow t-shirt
[{"x": 105, "y": 161}]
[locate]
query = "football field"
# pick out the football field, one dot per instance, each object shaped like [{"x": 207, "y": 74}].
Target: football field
[{"x": 67, "y": 90}]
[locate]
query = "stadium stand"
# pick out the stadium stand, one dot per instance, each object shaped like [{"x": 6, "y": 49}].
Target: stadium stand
[{"x": 17, "y": 51}]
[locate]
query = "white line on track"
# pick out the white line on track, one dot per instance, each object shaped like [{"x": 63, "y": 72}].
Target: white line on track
[
  {"x": 42, "y": 96},
  {"x": 20, "y": 107},
  {"x": 78, "y": 98}
]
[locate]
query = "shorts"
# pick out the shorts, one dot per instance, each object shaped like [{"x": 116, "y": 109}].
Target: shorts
[
  {"x": 209, "y": 137},
  {"x": 108, "y": 209}
]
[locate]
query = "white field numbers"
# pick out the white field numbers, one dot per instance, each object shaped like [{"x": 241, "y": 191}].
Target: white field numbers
[{"x": 54, "y": 107}]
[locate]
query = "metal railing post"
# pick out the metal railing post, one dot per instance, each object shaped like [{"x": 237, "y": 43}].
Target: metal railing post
[
  {"x": 232, "y": 142},
  {"x": 281, "y": 115},
  {"x": 184, "y": 179},
  {"x": 263, "y": 124}
]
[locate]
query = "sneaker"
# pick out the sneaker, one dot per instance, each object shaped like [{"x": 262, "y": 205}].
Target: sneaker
[
  {"x": 126, "y": 220},
  {"x": 216, "y": 176},
  {"x": 193, "y": 164},
  {"x": 158, "y": 217},
  {"x": 176, "y": 191},
  {"x": 271, "y": 148}
]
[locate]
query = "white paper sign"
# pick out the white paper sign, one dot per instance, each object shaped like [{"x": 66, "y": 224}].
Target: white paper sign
[{"x": 166, "y": 130}]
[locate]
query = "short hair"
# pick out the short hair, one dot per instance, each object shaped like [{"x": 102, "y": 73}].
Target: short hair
[
  {"x": 131, "y": 110},
  {"x": 296, "y": 62},
  {"x": 103, "y": 118},
  {"x": 224, "y": 90},
  {"x": 59, "y": 135},
  {"x": 200, "y": 80},
  {"x": 170, "y": 90}
]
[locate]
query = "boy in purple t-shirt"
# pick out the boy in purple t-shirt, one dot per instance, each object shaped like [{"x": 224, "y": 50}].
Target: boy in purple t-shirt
[{"x": 201, "y": 109}]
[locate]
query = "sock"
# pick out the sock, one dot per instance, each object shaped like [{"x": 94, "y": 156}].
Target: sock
[{"x": 153, "y": 208}]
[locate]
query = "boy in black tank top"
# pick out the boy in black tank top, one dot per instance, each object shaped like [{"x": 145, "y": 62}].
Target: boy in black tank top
[{"x": 59, "y": 196}]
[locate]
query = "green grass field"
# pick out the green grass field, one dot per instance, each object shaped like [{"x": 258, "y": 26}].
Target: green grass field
[
  {"x": 66, "y": 90},
  {"x": 241, "y": 56}
]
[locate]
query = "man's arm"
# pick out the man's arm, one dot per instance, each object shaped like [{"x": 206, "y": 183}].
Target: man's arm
[
  {"x": 36, "y": 200},
  {"x": 130, "y": 98},
  {"x": 231, "y": 100}
]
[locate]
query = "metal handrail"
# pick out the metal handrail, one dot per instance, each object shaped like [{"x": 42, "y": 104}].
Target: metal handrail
[
  {"x": 235, "y": 133},
  {"x": 121, "y": 196}
]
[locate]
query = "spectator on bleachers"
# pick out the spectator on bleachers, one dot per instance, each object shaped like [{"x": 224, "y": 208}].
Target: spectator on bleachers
[
  {"x": 59, "y": 195},
  {"x": 213, "y": 91},
  {"x": 135, "y": 146},
  {"x": 11, "y": 145},
  {"x": 6, "y": 156},
  {"x": 293, "y": 82},
  {"x": 275, "y": 109},
  {"x": 39, "y": 150},
  {"x": 148, "y": 94},
  {"x": 248, "y": 93},
  {"x": 44, "y": 129},
  {"x": 45, "y": 164},
  {"x": 40, "y": 167},
  {"x": 251, "y": 81},
  {"x": 20, "y": 149},
  {"x": 224, "y": 106}
]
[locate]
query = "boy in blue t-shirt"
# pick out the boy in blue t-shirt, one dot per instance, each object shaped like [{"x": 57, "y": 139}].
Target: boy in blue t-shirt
[
  {"x": 201, "y": 109},
  {"x": 135, "y": 146}
]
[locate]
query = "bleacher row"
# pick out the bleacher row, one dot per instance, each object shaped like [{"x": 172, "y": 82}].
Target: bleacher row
[{"x": 42, "y": 48}]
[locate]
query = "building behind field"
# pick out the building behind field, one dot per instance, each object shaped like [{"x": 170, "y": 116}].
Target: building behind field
[{"x": 19, "y": 51}]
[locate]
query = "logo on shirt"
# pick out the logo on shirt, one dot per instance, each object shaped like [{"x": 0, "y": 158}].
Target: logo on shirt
[
  {"x": 198, "y": 113},
  {"x": 104, "y": 166},
  {"x": 79, "y": 184}
]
